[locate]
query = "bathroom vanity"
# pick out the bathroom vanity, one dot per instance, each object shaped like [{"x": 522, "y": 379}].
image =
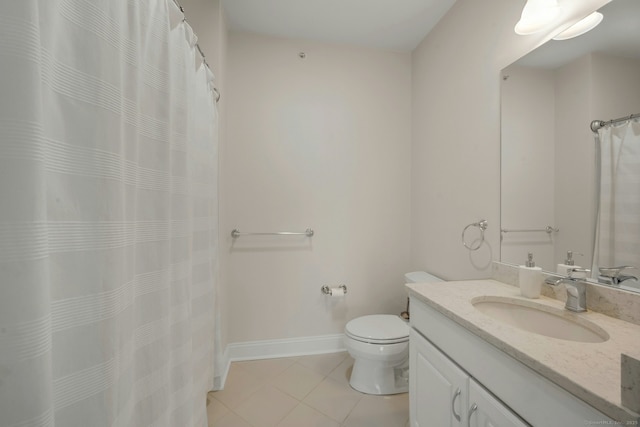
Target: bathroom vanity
[{"x": 468, "y": 368}]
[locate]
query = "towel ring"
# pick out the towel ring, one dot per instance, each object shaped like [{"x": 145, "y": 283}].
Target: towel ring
[{"x": 482, "y": 225}]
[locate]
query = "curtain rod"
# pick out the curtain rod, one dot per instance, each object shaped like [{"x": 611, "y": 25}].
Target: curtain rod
[
  {"x": 597, "y": 124},
  {"x": 204, "y": 58}
]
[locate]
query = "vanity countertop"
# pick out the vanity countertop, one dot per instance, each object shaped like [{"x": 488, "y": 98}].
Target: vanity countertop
[{"x": 589, "y": 371}]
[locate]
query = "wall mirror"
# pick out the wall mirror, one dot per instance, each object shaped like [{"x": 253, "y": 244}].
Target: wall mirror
[{"x": 548, "y": 165}]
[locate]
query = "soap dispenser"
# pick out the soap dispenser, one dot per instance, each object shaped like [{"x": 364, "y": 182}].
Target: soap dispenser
[
  {"x": 530, "y": 278},
  {"x": 569, "y": 262}
]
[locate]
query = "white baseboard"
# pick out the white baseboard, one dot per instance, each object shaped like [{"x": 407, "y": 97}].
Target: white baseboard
[{"x": 270, "y": 349}]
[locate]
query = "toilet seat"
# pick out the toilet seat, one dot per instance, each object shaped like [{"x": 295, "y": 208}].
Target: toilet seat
[{"x": 378, "y": 329}]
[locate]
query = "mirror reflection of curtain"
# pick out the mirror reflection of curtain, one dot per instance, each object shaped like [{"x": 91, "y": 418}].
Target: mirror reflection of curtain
[{"x": 618, "y": 223}]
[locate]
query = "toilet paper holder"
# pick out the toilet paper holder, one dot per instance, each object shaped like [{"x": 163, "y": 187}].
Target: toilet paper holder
[{"x": 329, "y": 291}]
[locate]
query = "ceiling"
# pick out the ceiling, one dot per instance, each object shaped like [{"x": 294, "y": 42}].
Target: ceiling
[{"x": 386, "y": 24}]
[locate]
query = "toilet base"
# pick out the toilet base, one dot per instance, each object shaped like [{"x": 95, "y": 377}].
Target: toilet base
[{"x": 373, "y": 377}]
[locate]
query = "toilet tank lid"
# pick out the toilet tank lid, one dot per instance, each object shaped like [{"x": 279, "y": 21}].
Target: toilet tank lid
[{"x": 421, "y": 277}]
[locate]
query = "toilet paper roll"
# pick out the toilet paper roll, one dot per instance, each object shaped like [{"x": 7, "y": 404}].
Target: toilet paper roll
[{"x": 337, "y": 292}]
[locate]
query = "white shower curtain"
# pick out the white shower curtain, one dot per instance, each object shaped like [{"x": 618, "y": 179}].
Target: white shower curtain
[
  {"x": 108, "y": 216},
  {"x": 618, "y": 223}
]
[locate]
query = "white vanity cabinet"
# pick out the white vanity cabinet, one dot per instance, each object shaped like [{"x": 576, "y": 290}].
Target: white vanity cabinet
[
  {"x": 437, "y": 388},
  {"x": 443, "y": 395},
  {"x": 453, "y": 370},
  {"x": 485, "y": 410}
]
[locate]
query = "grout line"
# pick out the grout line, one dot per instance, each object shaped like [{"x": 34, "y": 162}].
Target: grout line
[
  {"x": 296, "y": 397},
  {"x": 287, "y": 414},
  {"x": 354, "y": 407}
]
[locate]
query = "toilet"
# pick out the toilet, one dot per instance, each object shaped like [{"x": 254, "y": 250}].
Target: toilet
[{"x": 379, "y": 345}]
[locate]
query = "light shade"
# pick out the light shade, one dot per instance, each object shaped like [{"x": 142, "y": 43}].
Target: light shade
[
  {"x": 536, "y": 15},
  {"x": 580, "y": 27}
]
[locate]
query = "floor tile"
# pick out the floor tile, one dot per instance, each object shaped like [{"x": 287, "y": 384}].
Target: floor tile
[
  {"x": 305, "y": 391},
  {"x": 305, "y": 416},
  {"x": 267, "y": 368},
  {"x": 333, "y": 399},
  {"x": 266, "y": 407},
  {"x": 343, "y": 372},
  {"x": 231, "y": 420},
  {"x": 323, "y": 363},
  {"x": 239, "y": 385},
  {"x": 297, "y": 381},
  {"x": 380, "y": 411},
  {"x": 215, "y": 410}
]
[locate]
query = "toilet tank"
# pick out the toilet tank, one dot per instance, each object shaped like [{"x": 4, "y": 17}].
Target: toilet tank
[{"x": 421, "y": 277}]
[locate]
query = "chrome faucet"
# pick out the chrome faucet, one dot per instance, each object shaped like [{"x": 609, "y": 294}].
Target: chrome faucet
[
  {"x": 613, "y": 276},
  {"x": 576, "y": 289}
]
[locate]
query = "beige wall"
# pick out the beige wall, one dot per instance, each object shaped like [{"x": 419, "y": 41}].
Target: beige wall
[
  {"x": 327, "y": 143},
  {"x": 456, "y": 130},
  {"x": 619, "y": 96},
  {"x": 321, "y": 142}
]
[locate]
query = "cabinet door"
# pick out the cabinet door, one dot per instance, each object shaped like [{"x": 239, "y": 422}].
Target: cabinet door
[
  {"x": 437, "y": 386},
  {"x": 485, "y": 410}
]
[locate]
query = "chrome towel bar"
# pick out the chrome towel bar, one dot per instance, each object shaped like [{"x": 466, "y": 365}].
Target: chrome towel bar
[
  {"x": 237, "y": 233},
  {"x": 548, "y": 229}
]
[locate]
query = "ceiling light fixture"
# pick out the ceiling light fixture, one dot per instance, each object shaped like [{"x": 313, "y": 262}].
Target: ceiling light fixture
[
  {"x": 536, "y": 15},
  {"x": 581, "y": 27}
]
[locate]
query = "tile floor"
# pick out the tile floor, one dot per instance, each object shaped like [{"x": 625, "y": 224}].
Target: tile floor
[{"x": 306, "y": 391}]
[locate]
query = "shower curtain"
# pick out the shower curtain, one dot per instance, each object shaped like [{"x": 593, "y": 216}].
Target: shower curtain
[
  {"x": 108, "y": 216},
  {"x": 618, "y": 222}
]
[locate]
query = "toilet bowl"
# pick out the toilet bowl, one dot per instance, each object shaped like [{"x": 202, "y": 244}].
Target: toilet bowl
[{"x": 379, "y": 345}]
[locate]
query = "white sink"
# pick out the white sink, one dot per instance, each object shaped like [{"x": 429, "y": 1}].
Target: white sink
[{"x": 540, "y": 319}]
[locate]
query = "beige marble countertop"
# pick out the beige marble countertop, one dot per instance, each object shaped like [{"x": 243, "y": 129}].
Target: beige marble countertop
[{"x": 589, "y": 371}]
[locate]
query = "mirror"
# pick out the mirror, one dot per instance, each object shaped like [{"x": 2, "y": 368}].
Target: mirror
[{"x": 549, "y": 98}]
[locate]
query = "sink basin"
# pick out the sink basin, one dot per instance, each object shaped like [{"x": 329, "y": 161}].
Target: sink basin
[{"x": 540, "y": 319}]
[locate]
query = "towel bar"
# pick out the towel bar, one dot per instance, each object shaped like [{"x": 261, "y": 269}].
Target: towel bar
[{"x": 237, "y": 233}]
